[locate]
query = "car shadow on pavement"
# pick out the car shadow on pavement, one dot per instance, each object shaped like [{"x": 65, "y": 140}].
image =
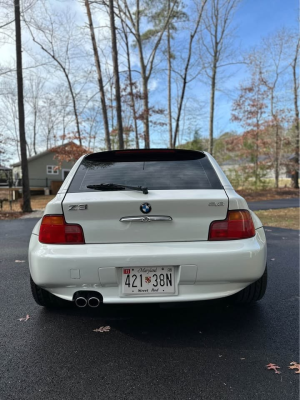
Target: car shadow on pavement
[{"x": 216, "y": 324}]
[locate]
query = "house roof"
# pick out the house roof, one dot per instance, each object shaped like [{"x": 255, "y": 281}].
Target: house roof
[
  {"x": 2, "y": 168},
  {"x": 43, "y": 153}
]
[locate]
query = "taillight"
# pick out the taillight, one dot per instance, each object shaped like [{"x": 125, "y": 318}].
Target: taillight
[
  {"x": 55, "y": 230},
  {"x": 237, "y": 225}
]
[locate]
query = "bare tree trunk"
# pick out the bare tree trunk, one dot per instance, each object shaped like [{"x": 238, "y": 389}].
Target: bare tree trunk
[
  {"x": 111, "y": 99},
  {"x": 212, "y": 109},
  {"x": 34, "y": 130},
  {"x": 176, "y": 130},
  {"x": 64, "y": 129},
  {"x": 256, "y": 155},
  {"x": 146, "y": 112},
  {"x": 100, "y": 79},
  {"x": 24, "y": 164},
  {"x": 276, "y": 166},
  {"x": 48, "y": 138},
  {"x": 217, "y": 22},
  {"x": 169, "y": 82},
  {"x": 136, "y": 133},
  {"x": 277, "y": 156},
  {"x": 28, "y": 149},
  {"x": 144, "y": 79},
  {"x": 146, "y": 67},
  {"x": 65, "y": 72},
  {"x": 116, "y": 73},
  {"x": 295, "y": 174},
  {"x": 186, "y": 70},
  {"x": 74, "y": 107}
]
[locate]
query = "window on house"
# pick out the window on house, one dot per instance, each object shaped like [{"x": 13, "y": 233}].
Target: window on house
[{"x": 52, "y": 170}]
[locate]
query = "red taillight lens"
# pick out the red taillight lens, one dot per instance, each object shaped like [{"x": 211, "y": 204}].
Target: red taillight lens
[
  {"x": 237, "y": 225},
  {"x": 55, "y": 230}
]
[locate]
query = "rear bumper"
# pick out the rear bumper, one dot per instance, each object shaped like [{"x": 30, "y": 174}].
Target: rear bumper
[{"x": 204, "y": 270}]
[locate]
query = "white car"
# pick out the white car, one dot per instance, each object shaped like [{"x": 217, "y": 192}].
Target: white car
[{"x": 147, "y": 226}]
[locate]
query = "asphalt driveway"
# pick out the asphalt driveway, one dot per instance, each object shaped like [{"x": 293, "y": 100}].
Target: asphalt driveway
[
  {"x": 197, "y": 351},
  {"x": 273, "y": 204}
]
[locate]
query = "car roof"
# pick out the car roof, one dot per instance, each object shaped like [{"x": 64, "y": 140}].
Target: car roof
[{"x": 146, "y": 155}]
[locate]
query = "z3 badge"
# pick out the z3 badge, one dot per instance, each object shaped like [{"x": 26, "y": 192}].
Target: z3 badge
[
  {"x": 76, "y": 207},
  {"x": 216, "y": 204}
]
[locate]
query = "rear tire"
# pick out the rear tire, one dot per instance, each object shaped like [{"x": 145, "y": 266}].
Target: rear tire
[
  {"x": 253, "y": 292},
  {"x": 47, "y": 299}
]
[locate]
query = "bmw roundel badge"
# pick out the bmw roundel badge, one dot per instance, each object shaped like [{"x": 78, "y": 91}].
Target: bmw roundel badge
[{"x": 145, "y": 208}]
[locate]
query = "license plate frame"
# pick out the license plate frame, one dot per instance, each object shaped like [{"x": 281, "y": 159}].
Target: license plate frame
[{"x": 148, "y": 281}]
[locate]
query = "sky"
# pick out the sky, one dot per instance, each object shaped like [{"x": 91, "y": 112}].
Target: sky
[
  {"x": 253, "y": 20},
  {"x": 257, "y": 18}
]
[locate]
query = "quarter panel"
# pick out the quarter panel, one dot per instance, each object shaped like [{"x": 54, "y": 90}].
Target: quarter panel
[
  {"x": 236, "y": 202},
  {"x": 223, "y": 178},
  {"x": 55, "y": 205},
  {"x": 257, "y": 222}
]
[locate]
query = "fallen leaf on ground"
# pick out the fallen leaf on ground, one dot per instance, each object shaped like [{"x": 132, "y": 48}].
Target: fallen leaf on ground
[
  {"x": 24, "y": 319},
  {"x": 18, "y": 261},
  {"x": 102, "y": 329},
  {"x": 294, "y": 365},
  {"x": 274, "y": 367}
]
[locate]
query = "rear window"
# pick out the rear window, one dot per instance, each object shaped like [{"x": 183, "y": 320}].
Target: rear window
[{"x": 156, "y": 170}]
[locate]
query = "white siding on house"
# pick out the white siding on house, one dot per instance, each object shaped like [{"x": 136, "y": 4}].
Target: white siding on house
[{"x": 40, "y": 175}]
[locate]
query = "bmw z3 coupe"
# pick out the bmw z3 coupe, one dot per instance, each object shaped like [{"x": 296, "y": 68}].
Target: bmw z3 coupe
[{"x": 147, "y": 226}]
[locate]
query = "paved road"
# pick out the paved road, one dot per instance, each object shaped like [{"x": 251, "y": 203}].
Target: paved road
[
  {"x": 203, "y": 351},
  {"x": 273, "y": 204}
]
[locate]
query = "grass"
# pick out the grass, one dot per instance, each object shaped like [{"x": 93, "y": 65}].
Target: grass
[
  {"x": 282, "y": 218},
  {"x": 37, "y": 203},
  {"x": 268, "y": 194}
]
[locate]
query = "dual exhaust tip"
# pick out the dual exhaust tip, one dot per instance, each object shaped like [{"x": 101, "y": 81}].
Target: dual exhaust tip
[{"x": 85, "y": 299}]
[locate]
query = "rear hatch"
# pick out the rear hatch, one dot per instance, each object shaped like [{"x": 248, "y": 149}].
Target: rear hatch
[{"x": 184, "y": 197}]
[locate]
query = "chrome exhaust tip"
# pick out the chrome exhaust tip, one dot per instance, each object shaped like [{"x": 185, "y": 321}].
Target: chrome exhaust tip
[
  {"x": 81, "y": 302},
  {"x": 93, "y": 302}
]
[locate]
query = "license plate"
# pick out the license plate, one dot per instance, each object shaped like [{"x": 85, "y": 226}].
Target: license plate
[{"x": 148, "y": 280}]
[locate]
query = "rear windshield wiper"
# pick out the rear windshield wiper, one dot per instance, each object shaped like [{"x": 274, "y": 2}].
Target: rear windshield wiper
[{"x": 114, "y": 186}]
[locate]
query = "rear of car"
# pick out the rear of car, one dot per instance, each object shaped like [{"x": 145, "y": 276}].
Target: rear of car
[{"x": 147, "y": 226}]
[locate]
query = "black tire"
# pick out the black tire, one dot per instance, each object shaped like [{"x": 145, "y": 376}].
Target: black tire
[
  {"x": 253, "y": 292},
  {"x": 47, "y": 299}
]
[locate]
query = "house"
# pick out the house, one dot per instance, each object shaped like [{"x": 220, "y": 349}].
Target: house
[
  {"x": 5, "y": 175},
  {"x": 232, "y": 167},
  {"x": 45, "y": 171}
]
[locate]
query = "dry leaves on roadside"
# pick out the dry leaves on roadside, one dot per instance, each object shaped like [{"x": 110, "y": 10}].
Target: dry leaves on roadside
[
  {"x": 294, "y": 365},
  {"x": 24, "y": 319},
  {"x": 274, "y": 367},
  {"x": 19, "y": 261},
  {"x": 102, "y": 329}
]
